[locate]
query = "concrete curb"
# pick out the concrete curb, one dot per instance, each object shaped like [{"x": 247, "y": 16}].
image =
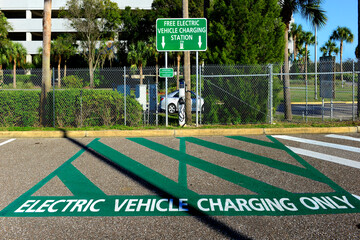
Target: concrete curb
[
  {"x": 177, "y": 132},
  {"x": 314, "y": 130}
]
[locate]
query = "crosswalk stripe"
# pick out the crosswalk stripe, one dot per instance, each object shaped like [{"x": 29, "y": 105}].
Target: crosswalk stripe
[
  {"x": 7, "y": 141},
  {"x": 343, "y": 137},
  {"x": 319, "y": 143},
  {"x": 326, "y": 157}
]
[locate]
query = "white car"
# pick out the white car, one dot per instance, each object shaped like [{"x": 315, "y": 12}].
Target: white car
[{"x": 173, "y": 102}]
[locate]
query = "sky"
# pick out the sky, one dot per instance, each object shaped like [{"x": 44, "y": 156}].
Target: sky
[{"x": 341, "y": 13}]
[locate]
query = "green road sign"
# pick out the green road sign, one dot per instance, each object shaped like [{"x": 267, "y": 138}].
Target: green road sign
[
  {"x": 166, "y": 72},
  {"x": 181, "y": 34}
]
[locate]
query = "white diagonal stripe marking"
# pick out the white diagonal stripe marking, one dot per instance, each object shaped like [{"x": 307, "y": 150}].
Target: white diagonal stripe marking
[
  {"x": 7, "y": 141},
  {"x": 326, "y": 157},
  {"x": 343, "y": 137},
  {"x": 319, "y": 143}
]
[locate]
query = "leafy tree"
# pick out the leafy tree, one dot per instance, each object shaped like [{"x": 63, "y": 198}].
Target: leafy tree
[
  {"x": 5, "y": 27},
  {"x": 245, "y": 32},
  {"x": 94, "y": 21},
  {"x": 137, "y": 25},
  {"x": 174, "y": 8},
  {"x": 342, "y": 34},
  {"x": 138, "y": 55},
  {"x": 17, "y": 55},
  {"x": 329, "y": 48},
  {"x": 309, "y": 9}
]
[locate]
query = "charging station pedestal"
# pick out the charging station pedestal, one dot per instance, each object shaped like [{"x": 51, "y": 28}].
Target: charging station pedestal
[{"x": 181, "y": 102}]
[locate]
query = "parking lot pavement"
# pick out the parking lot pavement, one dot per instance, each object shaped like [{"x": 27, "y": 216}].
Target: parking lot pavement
[{"x": 241, "y": 187}]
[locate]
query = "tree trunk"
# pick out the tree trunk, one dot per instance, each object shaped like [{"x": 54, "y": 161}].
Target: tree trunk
[
  {"x": 294, "y": 46},
  {"x": 341, "y": 65},
  {"x": 358, "y": 90},
  {"x": 14, "y": 74},
  {"x": 178, "y": 72},
  {"x": 46, "y": 75},
  {"x": 188, "y": 117},
  {"x": 65, "y": 69},
  {"x": 1, "y": 76},
  {"x": 59, "y": 73},
  {"x": 287, "y": 96},
  {"x": 141, "y": 74},
  {"x": 306, "y": 62},
  {"x": 91, "y": 72}
]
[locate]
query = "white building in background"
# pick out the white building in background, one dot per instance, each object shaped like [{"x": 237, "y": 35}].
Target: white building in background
[{"x": 25, "y": 17}]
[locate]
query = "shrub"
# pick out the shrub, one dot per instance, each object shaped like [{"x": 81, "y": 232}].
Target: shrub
[
  {"x": 19, "y": 108},
  {"x": 79, "y": 108},
  {"x": 73, "y": 81},
  {"x": 73, "y": 108}
]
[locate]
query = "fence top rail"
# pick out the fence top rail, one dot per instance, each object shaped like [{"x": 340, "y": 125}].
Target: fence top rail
[{"x": 239, "y": 75}]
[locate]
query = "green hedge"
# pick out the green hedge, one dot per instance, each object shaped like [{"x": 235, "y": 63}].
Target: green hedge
[
  {"x": 19, "y": 108},
  {"x": 73, "y": 108}
]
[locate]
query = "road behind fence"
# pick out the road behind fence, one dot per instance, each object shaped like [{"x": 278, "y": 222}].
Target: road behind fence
[{"x": 229, "y": 95}]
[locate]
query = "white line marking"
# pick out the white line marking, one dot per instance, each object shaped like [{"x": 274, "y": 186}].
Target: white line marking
[
  {"x": 358, "y": 197},
  {"x": 326, "y": 157},
  {"x": 343, "y": 137},
  {"x": 319, "y": 143},
  {"x": 7, "y": 141}
]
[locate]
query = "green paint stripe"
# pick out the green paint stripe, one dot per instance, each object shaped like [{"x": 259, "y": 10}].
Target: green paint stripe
[
  {"x": 256, "y": 158},
  {"x": 182, "y": 165},
  {"x": 221, "y": 172},
  {"x": 256, "y": 141},
  {"x": 40, "y": 184},
  {"x": 143, "y": 172},
  {"x": 77, "y": 183},
  {"x": 310, "y": 168}
]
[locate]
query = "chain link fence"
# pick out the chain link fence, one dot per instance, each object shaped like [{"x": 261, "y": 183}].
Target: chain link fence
[{"x": 136, "y": 97}]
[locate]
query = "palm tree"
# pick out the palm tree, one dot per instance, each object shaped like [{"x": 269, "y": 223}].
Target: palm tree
[
  {"x": 138, "y": 55},
  {"x": 329, "y": 48},
  {"x": 309, "y": 39},
  {"x": 17, "y": 55},
  {"x": 295, "y": 32},
  {"x": 309, "y": 9},
  {"x": 62, "y": 48},
  {"x": 342, "y": 34}
]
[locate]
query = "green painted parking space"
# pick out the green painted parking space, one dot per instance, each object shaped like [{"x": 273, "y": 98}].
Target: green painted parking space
[{"x": 175, "y": 198}]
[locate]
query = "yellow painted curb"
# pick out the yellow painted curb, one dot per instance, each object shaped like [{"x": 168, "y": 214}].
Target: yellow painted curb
[
  {"x": 131, "y": 133},
  {"x": 177, "y": 132},
  {"x": 218, "y": 132},
  {"x": 317, "y": 130},
  {"x": 41, "y": 134}
]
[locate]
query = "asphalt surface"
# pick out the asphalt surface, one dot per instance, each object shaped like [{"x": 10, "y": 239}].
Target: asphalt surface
[
  {"x": 339, "y": 110},
  {"x": 116, "y": 170}
]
